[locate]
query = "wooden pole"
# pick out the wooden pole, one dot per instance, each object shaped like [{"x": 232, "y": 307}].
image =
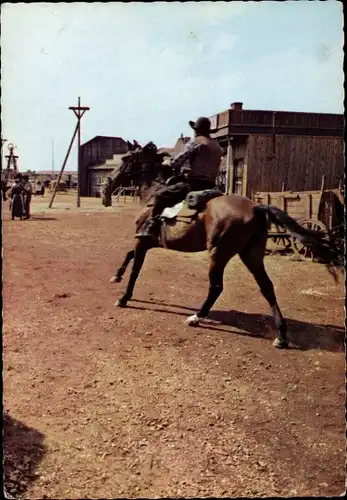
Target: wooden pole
[
  {"x": 62, "y": 168},
  {"x": 227, "y": 170},
  {"x": 79, "y": 112},
  {"x": 230, "y": 163},
  {"x": 322, "y": 184},
  {"x": 79, "y": 159}
]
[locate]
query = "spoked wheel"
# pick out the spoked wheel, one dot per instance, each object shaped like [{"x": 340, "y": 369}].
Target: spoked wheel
[{"x": 299, "y": 248}]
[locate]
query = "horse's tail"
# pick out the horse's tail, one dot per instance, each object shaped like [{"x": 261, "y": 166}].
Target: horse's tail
[{"x": 322, "y": 247}]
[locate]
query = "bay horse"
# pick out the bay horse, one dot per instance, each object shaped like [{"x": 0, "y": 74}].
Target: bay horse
[{"x": 228, "y": 225}]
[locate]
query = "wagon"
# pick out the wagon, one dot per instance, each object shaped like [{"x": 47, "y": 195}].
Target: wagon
[
  {"x": 321, "y": 211},
  {"x": 61, "y": 188}
]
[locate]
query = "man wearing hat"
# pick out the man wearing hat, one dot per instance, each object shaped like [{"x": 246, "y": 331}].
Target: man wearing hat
[{"x": 203, "y": 154}]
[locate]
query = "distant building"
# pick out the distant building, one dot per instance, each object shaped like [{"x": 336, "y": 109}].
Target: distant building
[
  {"x": 178, "y": 147},
  {"x": 95, "y": 154},
  {"x": 98, "y": 174}
]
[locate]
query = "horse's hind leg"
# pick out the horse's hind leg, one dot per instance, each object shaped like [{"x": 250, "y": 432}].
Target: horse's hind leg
[
  {"x": 140, "y": 252},
  {"x": 216, "y": 272},
  {"x": 253, "y": 258},
  {"x": 117, "y": 278}
]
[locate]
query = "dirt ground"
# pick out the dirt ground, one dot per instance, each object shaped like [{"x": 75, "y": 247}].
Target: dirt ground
[{"x": 102, "y": 402}]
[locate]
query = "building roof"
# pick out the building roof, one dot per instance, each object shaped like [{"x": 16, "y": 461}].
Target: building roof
[
  {"x": 110, "y": 164},
  {"x": 98, "y": 137},
  {"x": 239, "y": 121},
  {"x": 178, "y": 147}
]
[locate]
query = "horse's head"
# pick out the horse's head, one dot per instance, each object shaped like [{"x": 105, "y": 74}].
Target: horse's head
[{"x": 142, "y": 165}]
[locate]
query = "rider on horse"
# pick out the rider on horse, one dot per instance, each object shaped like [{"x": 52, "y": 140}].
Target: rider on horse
[{"x": 204, "y": 156}]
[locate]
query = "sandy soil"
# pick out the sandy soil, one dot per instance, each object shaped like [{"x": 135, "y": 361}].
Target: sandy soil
[{"x": 107, "y": 402}]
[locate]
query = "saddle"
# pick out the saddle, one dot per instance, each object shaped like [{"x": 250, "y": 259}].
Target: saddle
[{"x": 194, "y": 203}]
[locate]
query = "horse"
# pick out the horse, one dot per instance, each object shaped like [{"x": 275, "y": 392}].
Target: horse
[{"x": 225, "y": 226}]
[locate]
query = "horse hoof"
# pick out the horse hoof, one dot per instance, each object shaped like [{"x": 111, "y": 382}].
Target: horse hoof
[
  {"x": 192, "y": 320},
  {"x": 121, "y": 303},
  {"x": 115, "y": 279},
  {"x": 280, "y": 344}
]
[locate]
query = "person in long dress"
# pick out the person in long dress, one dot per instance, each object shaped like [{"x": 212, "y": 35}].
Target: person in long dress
[
  {"x": 27, "y": 196},
  {"x": 17, "y": 200}
]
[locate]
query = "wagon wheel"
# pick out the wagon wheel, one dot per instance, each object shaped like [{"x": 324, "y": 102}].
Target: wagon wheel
[
  {"x": 300, "y": 248},
  {"x": 281, "y": 241}
]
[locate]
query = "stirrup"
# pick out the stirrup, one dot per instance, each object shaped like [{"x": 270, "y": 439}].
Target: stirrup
[{"x": 150, "y": 230}]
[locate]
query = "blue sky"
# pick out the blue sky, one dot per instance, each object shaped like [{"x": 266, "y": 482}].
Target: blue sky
[{"x": 146, "y": 69}]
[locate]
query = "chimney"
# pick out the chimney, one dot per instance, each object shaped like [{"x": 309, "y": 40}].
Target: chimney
[{"x": 237, "y": 106}]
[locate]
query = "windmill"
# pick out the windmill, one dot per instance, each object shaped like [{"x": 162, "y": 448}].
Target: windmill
[{"x": 12, "y": 167}]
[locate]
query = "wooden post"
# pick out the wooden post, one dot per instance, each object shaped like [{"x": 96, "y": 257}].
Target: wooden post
[
  {"x": 322, "y": 184},
  {"x": 79, "y": 112},
  {"x": 230, "y": 169},
  {"x": 62, "y": 168},
  {"x": 79, "y": 159},
  {"x": 245, "y": 175}
]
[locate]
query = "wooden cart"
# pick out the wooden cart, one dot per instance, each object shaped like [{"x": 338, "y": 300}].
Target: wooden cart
[{"x": 321, "y": 211}]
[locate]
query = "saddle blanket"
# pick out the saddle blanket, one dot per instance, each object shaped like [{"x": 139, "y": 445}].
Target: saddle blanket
[{"x": 172, "y": 212}]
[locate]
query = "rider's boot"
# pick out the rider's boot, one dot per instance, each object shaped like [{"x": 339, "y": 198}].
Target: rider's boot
[{"x": 150, "y": 229}]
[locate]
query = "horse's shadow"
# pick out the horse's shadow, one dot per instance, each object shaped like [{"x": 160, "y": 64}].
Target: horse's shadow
[
  {"x": 302, "y": 335},
  {"x": 23, "y": 450}
]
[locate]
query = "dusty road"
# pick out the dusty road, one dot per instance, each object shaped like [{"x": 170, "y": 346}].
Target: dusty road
[{"x": 107, "y": 402}]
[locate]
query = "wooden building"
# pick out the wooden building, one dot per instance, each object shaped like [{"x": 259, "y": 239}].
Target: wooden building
[
  {"x": 95, "y": 153},
  {"x": 275, "y": 150},
  {"x": 99, "y": 173}
]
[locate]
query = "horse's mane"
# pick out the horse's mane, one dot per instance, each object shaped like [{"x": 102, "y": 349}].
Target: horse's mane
[{"x": 149, "y": 189}]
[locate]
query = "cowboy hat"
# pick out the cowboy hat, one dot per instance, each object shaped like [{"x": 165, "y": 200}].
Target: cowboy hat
[{"x": 202, "y": 124}]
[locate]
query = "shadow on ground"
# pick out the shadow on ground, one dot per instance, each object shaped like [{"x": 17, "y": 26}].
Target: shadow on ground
[
  {"x": 23, "y": 451},
  {"x": 34, "y": 218},
  {"x": 303, "y": 335}
]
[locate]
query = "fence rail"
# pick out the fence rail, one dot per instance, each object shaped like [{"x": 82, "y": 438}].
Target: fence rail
[{"x": 125, "y": 191}]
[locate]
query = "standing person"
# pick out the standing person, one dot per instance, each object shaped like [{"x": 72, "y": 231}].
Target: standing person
[
  {"x": 28, "y": 192},
  {"x": 17, "y": 199}
]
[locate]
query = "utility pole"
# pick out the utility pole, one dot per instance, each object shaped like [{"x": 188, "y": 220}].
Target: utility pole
[{"x": 79, "y": 112}]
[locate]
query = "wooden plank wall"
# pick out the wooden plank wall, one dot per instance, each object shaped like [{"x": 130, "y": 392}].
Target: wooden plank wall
[
  {"x": 299, "y": 162},
  {"x": 302, "y": 205}
]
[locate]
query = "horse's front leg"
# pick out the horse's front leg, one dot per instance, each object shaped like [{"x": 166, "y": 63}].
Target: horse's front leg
[
  {"x": 216, "y": 272},
  {"x": 117, "y": 278},
  {"x": 140, "y": 252}
]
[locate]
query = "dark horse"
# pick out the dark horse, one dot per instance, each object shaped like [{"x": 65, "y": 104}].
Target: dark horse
[{"x": 226, "y": 226}]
